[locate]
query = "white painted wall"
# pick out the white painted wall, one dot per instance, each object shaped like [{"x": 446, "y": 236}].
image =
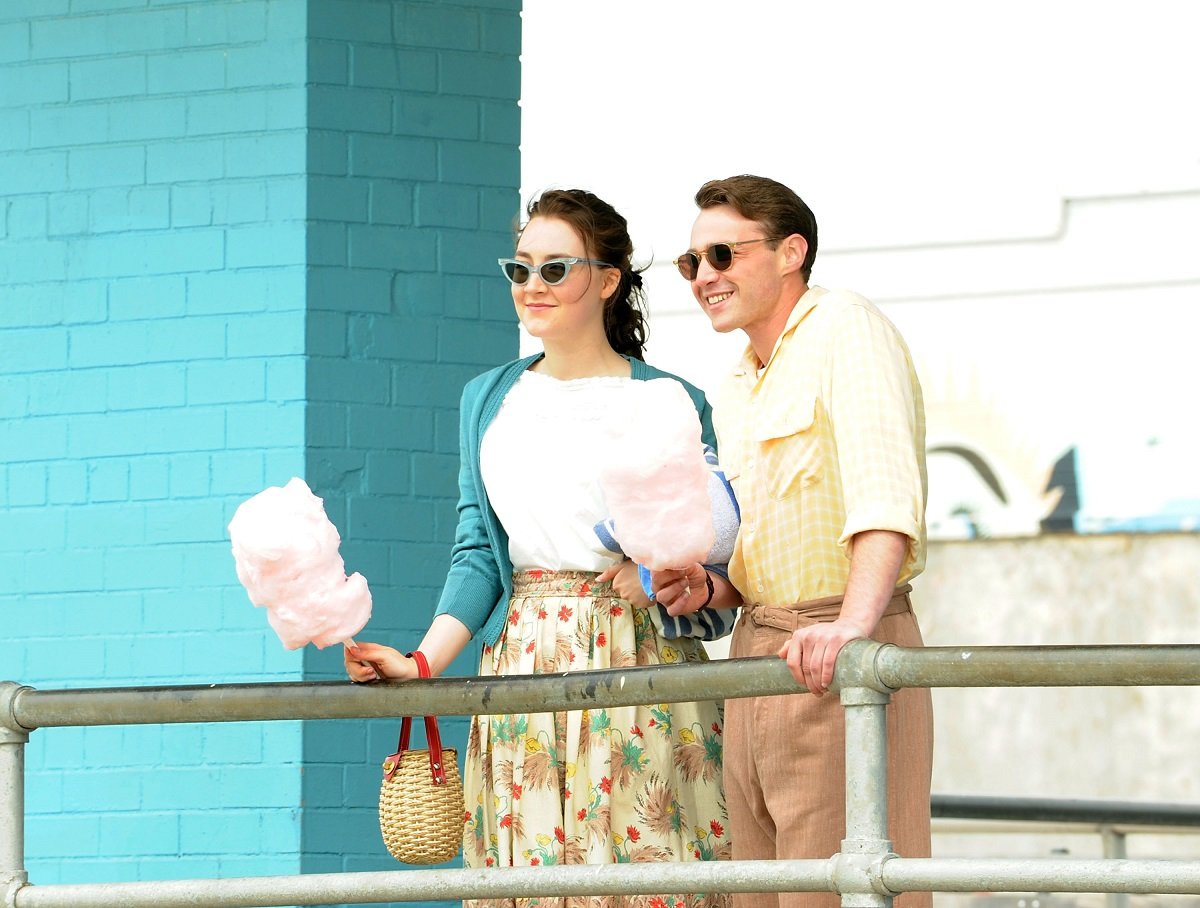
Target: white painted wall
[{"x": 1123, "y": 743}]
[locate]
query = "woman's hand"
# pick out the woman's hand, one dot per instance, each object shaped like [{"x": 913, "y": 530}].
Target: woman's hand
[
  {"x": 626, "y": 583},
  {"x": 392, "y": 664}
]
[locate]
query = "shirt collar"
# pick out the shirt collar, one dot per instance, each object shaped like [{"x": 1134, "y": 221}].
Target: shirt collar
[{"x": 748, "y": 364}]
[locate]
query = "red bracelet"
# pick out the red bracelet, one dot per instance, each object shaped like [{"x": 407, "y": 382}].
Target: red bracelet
[{"x": 708, "y": 581}]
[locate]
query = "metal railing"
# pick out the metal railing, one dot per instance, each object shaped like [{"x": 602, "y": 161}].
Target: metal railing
[
  {"x": 1113, "y": 821},
  {"x": 866, "y": 872}
]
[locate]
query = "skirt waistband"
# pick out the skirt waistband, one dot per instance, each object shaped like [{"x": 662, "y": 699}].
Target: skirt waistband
[
  {"x": 558, "y": 583},
  {"x": 814, "y": 611}
]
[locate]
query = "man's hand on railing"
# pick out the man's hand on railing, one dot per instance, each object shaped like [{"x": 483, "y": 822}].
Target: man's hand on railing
[{"x": 811, "y": 652}]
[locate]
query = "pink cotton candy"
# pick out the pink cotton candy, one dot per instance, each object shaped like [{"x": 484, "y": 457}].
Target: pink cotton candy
[
  {"x": 286, "y": 554},
  {"x": 656, "y": 486}
]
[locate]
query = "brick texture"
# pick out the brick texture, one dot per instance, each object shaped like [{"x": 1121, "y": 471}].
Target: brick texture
[
  {"x": 410, "y": 235},
  {"x": 240, "y": 240}
]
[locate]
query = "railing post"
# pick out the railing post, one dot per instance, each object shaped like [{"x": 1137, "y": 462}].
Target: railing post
[
  {"x": 857, "y": 870},
  {"x": 1114, "y": 847},
  {"x": 13, "y": 738}
]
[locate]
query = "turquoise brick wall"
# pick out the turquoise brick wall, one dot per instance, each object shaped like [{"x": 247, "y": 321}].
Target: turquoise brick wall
[
  {"x": 153, "y": 329},
  {"x": 240, "y": 240},
  {"x": 405, "y": 304}
]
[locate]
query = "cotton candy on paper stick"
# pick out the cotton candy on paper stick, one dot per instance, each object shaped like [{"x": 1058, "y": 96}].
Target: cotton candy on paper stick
[
  {"x": 656, "y": 484},
  {"x": 286, "y": 554}
]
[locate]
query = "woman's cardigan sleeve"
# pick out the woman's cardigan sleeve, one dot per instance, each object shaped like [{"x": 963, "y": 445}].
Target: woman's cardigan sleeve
[{"x": 473, "y": 584}]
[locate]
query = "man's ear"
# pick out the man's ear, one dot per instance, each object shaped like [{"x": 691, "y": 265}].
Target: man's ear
[{"x": 795, "y": 249}]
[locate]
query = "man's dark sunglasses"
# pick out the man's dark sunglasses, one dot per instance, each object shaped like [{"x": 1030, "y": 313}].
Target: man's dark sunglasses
[{"x": 719, "y": 255}]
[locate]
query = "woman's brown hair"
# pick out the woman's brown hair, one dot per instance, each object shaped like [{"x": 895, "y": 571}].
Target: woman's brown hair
[{"x": 605, "y": 236}]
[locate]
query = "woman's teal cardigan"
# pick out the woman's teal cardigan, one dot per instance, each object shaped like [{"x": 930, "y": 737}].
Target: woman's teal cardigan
[{"x": 479, "y": 584}]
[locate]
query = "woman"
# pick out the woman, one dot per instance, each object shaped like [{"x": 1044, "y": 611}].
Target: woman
[{"x": 530, "y": 576}]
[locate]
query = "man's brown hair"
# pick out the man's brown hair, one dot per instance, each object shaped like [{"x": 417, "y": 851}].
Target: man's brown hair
[{"x": 780, "y": 211}]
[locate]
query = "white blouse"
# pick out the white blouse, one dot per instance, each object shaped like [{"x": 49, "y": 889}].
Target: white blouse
[{"x": 541, "y": 458}]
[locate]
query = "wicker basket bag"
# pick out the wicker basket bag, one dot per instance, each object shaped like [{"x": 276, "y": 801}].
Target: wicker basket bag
[{"x": 421, "y": 798}]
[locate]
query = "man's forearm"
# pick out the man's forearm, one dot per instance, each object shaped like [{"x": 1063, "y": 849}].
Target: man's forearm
[{"x": 875, "y": 561}]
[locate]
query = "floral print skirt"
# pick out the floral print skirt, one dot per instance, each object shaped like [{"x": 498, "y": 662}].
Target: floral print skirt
[{"x": 592, "y": 786}]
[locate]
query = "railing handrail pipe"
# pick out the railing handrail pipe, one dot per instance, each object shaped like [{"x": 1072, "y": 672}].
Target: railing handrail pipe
[{"x": 863, "y": 663}]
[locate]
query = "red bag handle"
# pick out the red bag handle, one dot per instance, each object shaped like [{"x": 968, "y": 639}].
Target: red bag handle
[{"x": 432, "y": 735}]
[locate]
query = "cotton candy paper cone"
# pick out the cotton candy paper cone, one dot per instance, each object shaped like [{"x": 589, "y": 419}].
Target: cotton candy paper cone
[{"x": 286, "y": 554}]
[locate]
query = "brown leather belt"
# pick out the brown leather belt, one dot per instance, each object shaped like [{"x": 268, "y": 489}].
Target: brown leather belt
[{"x": 814, "y": 611}]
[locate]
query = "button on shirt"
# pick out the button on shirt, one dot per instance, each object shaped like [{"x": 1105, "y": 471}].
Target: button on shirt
[{"x": 826, "y": 441}]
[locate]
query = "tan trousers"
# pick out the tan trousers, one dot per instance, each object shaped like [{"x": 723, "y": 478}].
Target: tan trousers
[{"x": 785, "y": 759}]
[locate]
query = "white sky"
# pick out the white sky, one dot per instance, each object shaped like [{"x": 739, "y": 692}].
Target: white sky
[{"x": 898, "y": 122}]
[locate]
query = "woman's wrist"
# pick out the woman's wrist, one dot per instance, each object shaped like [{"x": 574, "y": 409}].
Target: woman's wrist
[{"x": 708, "y": 581}]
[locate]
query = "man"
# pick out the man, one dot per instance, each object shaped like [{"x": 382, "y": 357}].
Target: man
[{"x": 822, "y": 434}]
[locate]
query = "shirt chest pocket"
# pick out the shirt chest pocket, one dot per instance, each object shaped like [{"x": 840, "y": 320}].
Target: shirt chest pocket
[{"x": 789, "y": 447}]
